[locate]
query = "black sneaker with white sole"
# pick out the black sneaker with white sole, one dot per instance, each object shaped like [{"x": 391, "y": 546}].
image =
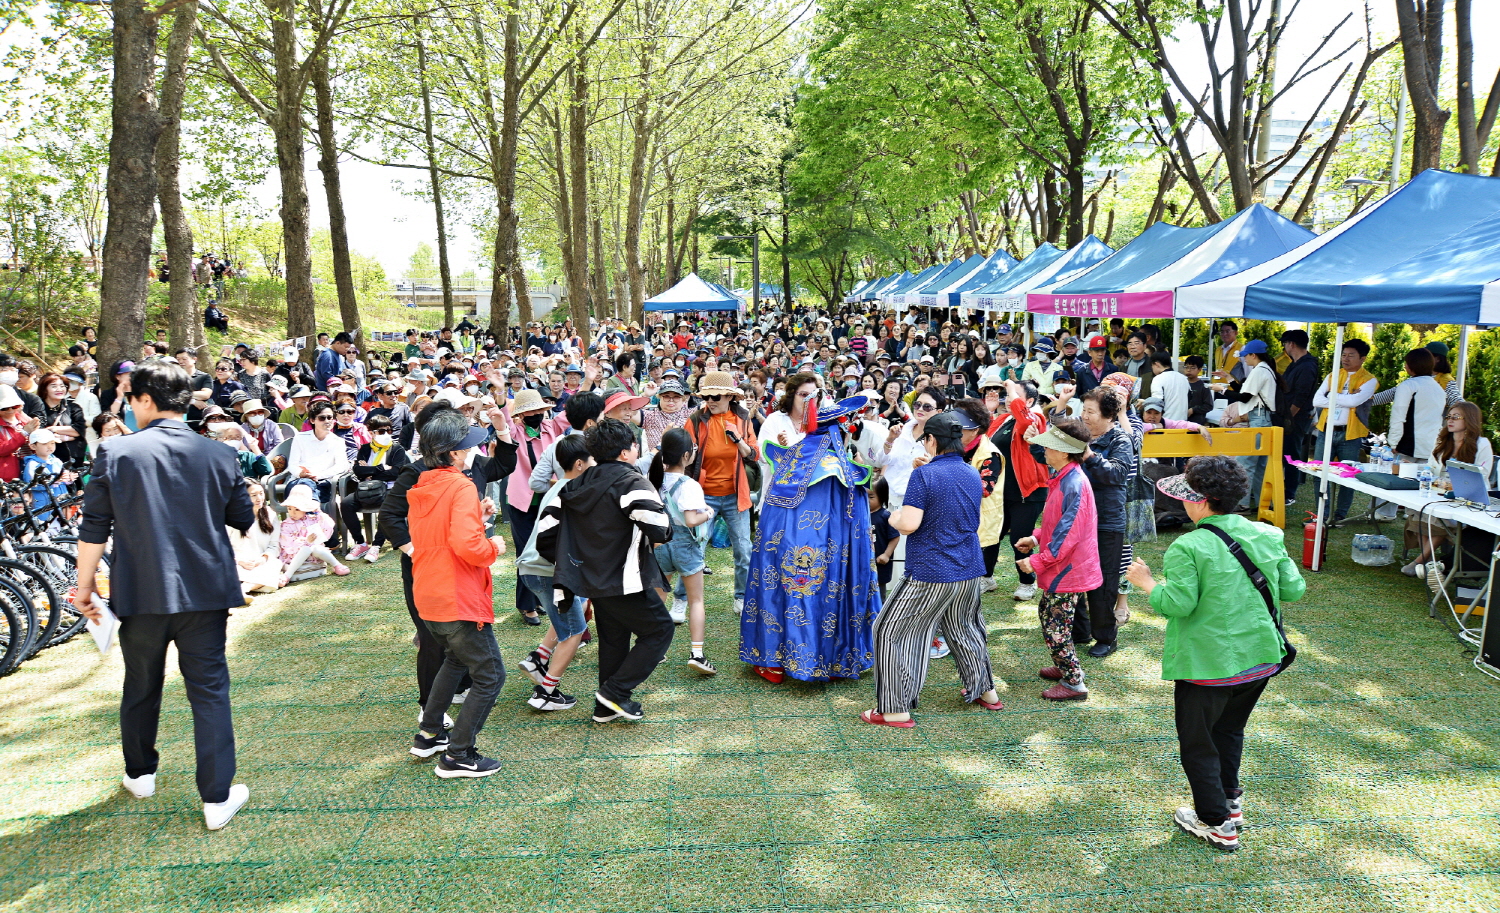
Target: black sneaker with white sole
[
  {"x": 630, "y": 710},
  {"x": 701, "y": 664},
  {"x": 425, "y": 746},
  {"x": 472, "y": 764},
  {"x": 542, "y": 699},
  {"x": 603, "y": 714},
  {"x": 534, "y": 666}
]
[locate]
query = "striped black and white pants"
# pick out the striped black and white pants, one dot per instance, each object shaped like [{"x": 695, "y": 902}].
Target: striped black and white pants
[{"x": 903, "y": 633}]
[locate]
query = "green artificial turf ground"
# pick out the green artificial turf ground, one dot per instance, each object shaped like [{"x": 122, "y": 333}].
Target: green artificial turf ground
[{"x": 1372, "y": 772}]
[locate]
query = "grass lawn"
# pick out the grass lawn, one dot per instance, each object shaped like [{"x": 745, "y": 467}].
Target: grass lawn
[{"x": 1372, "y": 773}]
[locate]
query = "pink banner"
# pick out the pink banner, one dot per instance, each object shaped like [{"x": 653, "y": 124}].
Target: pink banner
[{"x": 1106, "y": 304}]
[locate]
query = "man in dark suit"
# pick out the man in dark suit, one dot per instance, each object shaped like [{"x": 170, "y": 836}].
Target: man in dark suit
[{"x": 167, "y": 495}]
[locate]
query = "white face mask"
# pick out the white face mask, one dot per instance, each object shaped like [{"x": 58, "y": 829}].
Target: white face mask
[
  {"x": 383, "y": 440},
  {"x": 10, "y": 377},
  {"x": 1044, "y": 358},
  {"x": 469, "y": 457},
  {"x": 257, "y": 420},
  {"x": 472, "y": 389},
  {"x": 1014, "y": 360}
]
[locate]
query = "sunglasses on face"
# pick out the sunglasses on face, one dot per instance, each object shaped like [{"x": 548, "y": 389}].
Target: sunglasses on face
[
  {"x": 346, "y": 412},
  {"x": 924, "y": 407},
  {"x": 323, "y": 418},
  {"x": 715, "y": 398}
]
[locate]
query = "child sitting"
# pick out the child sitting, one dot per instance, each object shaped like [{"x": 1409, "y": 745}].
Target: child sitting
[
  {"x": 683, "y": 553},
  {"x": 303, "y": 533},
  {"x": 880, "y": 530},
  {"x": 52, "y": 486}
]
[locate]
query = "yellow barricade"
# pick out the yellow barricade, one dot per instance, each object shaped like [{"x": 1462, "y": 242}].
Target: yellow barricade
[{"x": 1164, "y": 443}]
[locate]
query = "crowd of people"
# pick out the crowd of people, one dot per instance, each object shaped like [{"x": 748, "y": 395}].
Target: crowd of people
[{"x": 864, "y": 469}]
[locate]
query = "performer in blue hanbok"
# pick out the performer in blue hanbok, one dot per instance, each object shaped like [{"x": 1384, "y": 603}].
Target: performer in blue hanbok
[{"x": 812, "y": 597}]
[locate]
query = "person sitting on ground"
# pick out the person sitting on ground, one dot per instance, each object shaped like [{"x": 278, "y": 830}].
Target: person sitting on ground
[
  {"x": 546, "y": 664},
  {"x": 454, "y": 592},
  {"x": 303, "y": 533},
  {"x": 1066, "y": 553},
  {"x": 600, "y": 536},
  {"x": 1223, "y": 638},
  {"x": 257, "y": 549}
]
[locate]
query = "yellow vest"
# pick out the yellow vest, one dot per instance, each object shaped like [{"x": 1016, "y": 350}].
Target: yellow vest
[
  {"x": 1356, "y": 428},
  {"x": 992, "y": 508},
  {"x": 1227, "y": 358}
]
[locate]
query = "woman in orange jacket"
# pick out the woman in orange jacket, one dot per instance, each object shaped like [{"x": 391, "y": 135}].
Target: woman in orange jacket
[{"x": 452, "y": 588}]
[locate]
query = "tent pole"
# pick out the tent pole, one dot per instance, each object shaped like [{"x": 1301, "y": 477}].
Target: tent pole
[
  {"x": 1323, "y": 492},
  {"x": 1213, "y": 346},
  {"x": 1462, "y": 368},
  {"x": 1176, "y": 343}
]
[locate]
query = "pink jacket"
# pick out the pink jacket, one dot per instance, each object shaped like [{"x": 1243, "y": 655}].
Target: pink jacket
[
  {"x": 294, "y": 533},
  {"x": 518, "y": 487},
  {"x": 1066, "y": 559}
]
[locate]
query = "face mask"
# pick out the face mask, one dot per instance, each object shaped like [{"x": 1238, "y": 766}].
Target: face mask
[
  {"x": 383, "y": 440},
  {"x": 9, "y": 377},
  {"x": 534, "y": 420},
  {"x": 1013, "y": 361},
  {"x": 257, "y": 420},
  {"x": 469, "y": 457},
  {"x": 1044, "y": 358},
  {"x": 472, "y": 389}
]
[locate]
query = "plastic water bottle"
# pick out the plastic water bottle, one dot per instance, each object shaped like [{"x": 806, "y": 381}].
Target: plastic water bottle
[{"x": 1424, "y": 478}]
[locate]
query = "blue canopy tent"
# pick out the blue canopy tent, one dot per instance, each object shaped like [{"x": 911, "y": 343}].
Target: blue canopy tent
[
  {"x": 948, "y": 292},
  {"x": 1009, "y": 294},
  {"x": 881, "y": 286},
  {"x": 1428, "y": 253},
  {"x": 693, "y": 294},
  {"x": 949, "y": 274},
  {"x": 859, "y": 286},
  {"x": 980, "y": 297},
  {"x": 895, "y": 296}
]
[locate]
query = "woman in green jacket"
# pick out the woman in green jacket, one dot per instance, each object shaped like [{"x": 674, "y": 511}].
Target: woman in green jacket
[{"x": 1222, "y": 644}]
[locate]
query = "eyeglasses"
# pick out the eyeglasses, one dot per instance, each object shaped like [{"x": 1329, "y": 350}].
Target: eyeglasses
[
  {"x": 715, "y": 398},
  {"x": 346, "y": 412},
  {"x": 924, "y": 407},
  {"x": 323, "y": 418},
  {"x": 1453, "y": 418}
]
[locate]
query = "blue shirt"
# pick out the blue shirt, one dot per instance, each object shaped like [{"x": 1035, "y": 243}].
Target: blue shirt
[{"x": 945, "y": 548}]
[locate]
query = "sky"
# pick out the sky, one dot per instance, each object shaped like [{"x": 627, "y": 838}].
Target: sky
[{"x": 388, "y": 224}]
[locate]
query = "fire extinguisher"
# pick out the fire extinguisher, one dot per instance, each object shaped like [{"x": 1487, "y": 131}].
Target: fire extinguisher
[{"x": 1309, "y": 536}]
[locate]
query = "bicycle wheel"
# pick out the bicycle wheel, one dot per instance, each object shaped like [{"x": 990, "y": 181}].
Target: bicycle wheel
[
  {"x": 12, "y": 637},
  {"x": 59, "y": 572},
  {"x": 47, "y": 591},
  {"x": 22, "y": 624}
]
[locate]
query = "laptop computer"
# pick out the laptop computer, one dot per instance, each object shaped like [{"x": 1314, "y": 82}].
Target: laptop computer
[{"x": 1470, "y": 484}]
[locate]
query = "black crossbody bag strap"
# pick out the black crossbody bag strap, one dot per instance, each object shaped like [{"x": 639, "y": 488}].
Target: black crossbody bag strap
[{"x": 1262, "y": 586}]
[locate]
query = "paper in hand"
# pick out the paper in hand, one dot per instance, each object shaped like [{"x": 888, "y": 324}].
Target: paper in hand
[{"x": 104, "y": 629}]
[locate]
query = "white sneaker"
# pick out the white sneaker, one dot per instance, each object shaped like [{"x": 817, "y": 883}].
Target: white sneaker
[
  {"x": 739, "y": 605},
  {"x": 217, "y": 814},
  {"x": 939, "y": 649},
  {"x": 447, "y": 720},
  {"x": 989, "y": 585},
  {"x": 1224, "y": 836},
  {"x": 142, "y": 787},
  {"x": 678, "y": 611},
  {"x": 460, "y": 697},
  {"x": 1025, "y": 592},
  {"x": 373, "y": 555}
]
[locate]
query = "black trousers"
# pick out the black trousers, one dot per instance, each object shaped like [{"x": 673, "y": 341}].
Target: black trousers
[
  {"x": 430, "y": 651},
  {"x": 622, "y": 667},
  {"x": 350, "y": 512},
  {"x": 199, "y": 637},
  {"x": 1211, "y": 738},
  {"x": 471, "y": 650},
  {"x": 1298, "y": 427},
  {"x": 1020, "y": 521},
  {"x": 1099, "y": 623},
  {"x": 522, "y": 522}
]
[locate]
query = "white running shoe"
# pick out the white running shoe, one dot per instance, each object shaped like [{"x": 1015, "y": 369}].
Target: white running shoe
[
  {"x": 989, "y": 585},
  {"x": 678, "y": 611},
  {"x": 1224, "y": 836},
  {"x": 142, "y": 787},
  {"x": 447, "y": 720},
  {"x": 739, "y": 605},
  {"x": 1025, "y": 592},
  {"x": 373, "y": 555},
  {"x": 217, "y": 814}
]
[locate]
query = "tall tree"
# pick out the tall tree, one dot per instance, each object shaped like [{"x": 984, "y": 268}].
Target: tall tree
[
  {"x": 1421, "y": 23},
  {"x": 333, "y": 190},
  {"x": 185, "y": 328}
]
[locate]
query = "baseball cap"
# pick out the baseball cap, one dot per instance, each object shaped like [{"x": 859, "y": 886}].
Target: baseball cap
[
  {"x": 1253, "y": 347},
  {"x": 1098, "y": 342}
]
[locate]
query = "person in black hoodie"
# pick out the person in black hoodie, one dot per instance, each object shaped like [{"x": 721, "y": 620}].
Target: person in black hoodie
[
  {"x": 1107, "y": 464},
  {"x": 600, "y": 534}
]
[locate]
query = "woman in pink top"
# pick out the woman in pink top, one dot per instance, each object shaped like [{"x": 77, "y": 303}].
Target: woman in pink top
[{"x": 533, "y": 431}]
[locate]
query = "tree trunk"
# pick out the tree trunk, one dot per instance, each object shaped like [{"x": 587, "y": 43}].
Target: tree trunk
[
  {"x": 786, "y": 261},
  {"x": 579, "y": 297},
  {"x": 338, "y": 223},
  {"x": 301, "y": 313},
  {"x": 437, "y": 188},
  {"x": 635, "y": 203},
  {"x": 1469, "y": 142},
  {"x": 522, "y": 291},
  {"x": 1421, "y": 23},
  {"x": 601, "y": 275},
  {"x": 499, "y": 265},
  {"x": 562, "y": 204},
  {"x": 131, "y": 189},
  {"x": 185, "y": 328}
]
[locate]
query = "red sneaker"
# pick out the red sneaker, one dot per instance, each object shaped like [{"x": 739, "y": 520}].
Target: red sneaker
[
  {"x": 774, "y": 675},
  {"x": 875, "y": 718},
  {"x": 1052, "y": 674},
  {"x": 1061, "y": 692}
]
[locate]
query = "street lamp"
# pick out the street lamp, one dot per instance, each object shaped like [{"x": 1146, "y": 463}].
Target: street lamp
[
  {"x": 1354, "y": 185},
  {"x": 754, "y": 239}
]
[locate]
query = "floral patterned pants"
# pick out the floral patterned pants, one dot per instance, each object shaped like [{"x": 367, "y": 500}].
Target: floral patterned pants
[{"x": 1056, "y": 612}]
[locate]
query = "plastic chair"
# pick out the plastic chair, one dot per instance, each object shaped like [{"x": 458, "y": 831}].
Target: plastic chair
[{"x": 345, "y": 487}]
